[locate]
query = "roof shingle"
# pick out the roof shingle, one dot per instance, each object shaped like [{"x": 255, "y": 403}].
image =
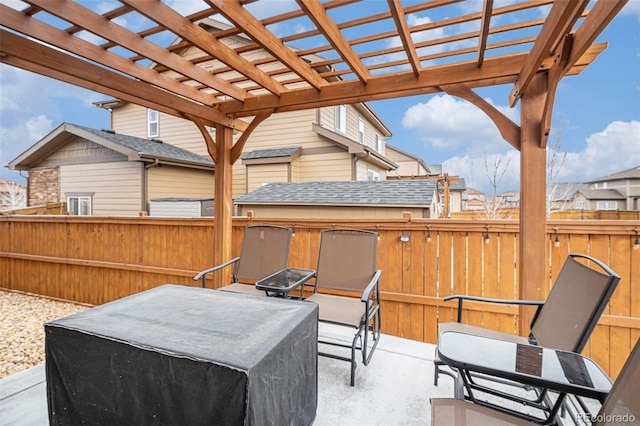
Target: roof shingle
[{"x": 344, "y": 193}]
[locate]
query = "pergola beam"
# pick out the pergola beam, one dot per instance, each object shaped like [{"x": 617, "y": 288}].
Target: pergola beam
[
  {"x": 317, "y": 13},
  {"x": 233, "y": 11},
  {"x": 38, "y": 30},
  {"x": 405, "y": 35},
  {"x": 203, "y": 39},
  {"x": 102, "y": 80},
  {"x": 485, "y": 23},
  {"x": 97, "y": 24},
  {"x": 563, "y": 15}
]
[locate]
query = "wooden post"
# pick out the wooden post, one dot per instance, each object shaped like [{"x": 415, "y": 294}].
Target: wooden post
[
  {"x": 532, "y": 199},
  {"x": 223, "y": 204}
]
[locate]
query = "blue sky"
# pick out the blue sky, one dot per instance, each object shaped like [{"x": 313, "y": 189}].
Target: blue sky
[{"x": 596, "y": 120}]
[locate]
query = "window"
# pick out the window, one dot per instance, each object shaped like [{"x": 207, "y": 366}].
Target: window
[
  {"x": 372, "y": 175},
  {"x": 341, "y": 118},
  {"x": 361, "y": 130},
  {"x": 606, "y": 205},
  {"x": 79, "y": 205},
  {"x": 379, "y": 144},
  {"x": 580, "y": 205},
  {"x": 153, "y": 123}
]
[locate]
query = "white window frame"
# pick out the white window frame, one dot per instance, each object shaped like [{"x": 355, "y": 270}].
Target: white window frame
[
  {"x": 373, "y": 175},
  {"x": 82, "y": 205},
  {"x": 361, "y": 130},
  {"x": 341, "y": 118},
  {"x": 580, "y": 205},
  {"x": 379, "y": 144},
  {"x": 606, "y": 205},
  {"x": 153, "y": 123}
]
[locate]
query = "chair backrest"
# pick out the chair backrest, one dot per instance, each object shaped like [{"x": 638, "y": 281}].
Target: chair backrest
[
  {"x": 347, "y": 259},
  {"x": 574, "y": 305},
  {"x": 622, "y": 405},
  {"x": 265, "y": 250}
]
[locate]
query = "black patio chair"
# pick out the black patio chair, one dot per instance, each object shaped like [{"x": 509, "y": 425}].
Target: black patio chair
[
  {"x": 564, "y": 321},
  {"x": 347, "y": 263},
  {"x": 265, "y": 250}
]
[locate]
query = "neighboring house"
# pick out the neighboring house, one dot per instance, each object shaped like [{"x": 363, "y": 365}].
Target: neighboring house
[
  {"x": 618, "y": 191},
  {"x": 599, "y": 199},
  {"x": 101, "y": 172},
  {"x": 409, "y": 165},
  {"x": 12, "y": 195},
  {"x": 475, "y": 200},
  {"x": 508, "y": 199},
  {"x": 561, "y": 195},
  {"x": 343, "y": 199}
]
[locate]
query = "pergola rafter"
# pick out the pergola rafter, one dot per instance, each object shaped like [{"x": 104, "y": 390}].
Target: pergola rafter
[{"x": 400, "y": 50}]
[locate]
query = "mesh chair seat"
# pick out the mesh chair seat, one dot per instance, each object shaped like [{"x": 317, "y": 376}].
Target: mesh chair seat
[{"x": 338, "y": 309}]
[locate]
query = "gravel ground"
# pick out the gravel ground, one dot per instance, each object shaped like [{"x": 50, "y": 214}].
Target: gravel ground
[{"x": 22, "y": 317}]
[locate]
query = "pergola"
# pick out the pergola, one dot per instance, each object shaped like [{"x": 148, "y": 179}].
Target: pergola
[{"x": 370, "y": 56}]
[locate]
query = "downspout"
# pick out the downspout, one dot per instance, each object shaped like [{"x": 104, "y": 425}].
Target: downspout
[
  {"x": 145, "y": 185},
  {"x": 29, "y": 186}
]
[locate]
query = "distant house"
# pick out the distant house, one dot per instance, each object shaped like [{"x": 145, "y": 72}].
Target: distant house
[
  {"x": 343, "y": 199},
  {"x": 101, "y": 172},
  {"x": 475, "y": 200},
  {"x": 561, "y": 195},
  {"x": 508, "y": 199},
  {"x": 618, "y": 191}
]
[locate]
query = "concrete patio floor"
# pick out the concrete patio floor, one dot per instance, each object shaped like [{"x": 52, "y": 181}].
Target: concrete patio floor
[{"x": 394, "y": 389}]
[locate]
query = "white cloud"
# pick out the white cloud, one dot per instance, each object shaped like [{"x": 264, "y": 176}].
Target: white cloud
[
  {"x": 447, "y": 123},
  {"x": 32, "y": 105},
  {"x": 612, "y": 150}
]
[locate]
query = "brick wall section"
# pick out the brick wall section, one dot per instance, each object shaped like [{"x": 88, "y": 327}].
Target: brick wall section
[{"x": 43, "y": 186}]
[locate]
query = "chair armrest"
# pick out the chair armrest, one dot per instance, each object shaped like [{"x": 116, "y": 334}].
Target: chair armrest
[
  {"x": 490, "y": 300},
  {"x": 462, "y": 297},
  {"x": 202, "y": 274},
  {"x": 372, "y": 284}
]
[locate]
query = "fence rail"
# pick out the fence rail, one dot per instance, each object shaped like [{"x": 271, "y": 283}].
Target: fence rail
[{"x": 97, "y": 260}]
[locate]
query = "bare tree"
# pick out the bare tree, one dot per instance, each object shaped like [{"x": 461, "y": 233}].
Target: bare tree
[
  {"x": 495, "y": 173},
  {"x": 12, "y": 195},
  {"x": 559, "y": 195}
]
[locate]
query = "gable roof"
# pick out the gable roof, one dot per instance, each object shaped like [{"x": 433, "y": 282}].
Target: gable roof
[
  {"x": 632, "y": 173},
  {"x": 414, "y": 157},
  {"x": 136, "y": 149},
  {"x": 564, "y": 191},
  {"x": 458, "y": 185},
  {"x": 601, "y": 194},
  {"x": 395, "y": 193}
]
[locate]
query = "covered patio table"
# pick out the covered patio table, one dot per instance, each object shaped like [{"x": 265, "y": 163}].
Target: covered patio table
[{"x": 183, "y": 355}]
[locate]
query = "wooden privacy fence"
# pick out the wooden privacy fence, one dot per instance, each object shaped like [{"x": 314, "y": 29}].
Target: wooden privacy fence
[{"x": 96, "y": 260}]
